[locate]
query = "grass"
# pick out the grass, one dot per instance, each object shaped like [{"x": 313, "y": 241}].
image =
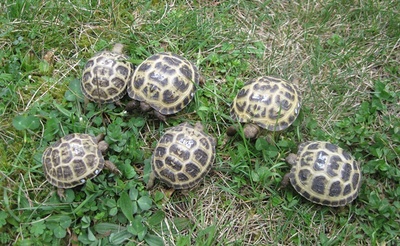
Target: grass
[{"x": 345, "y": 55}]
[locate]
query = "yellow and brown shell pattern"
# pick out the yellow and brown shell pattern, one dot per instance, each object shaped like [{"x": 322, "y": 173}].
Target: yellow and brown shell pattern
[
  {"x": 72, "y": 160},
  {"x": 325, "y": 174},
  {"x": 165, "y": 81},
  {"x": 183, "y": 156},
  {"x": 106, "y": 75},
  {"x": 268, "y": 102}
]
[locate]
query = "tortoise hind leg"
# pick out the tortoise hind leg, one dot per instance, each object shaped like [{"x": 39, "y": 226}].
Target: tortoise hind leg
[{"x": 111, "y": 166}]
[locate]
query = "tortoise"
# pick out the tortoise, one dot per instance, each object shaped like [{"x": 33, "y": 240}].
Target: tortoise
[
  {"x": 182, "y": 157},
  {"x": 265, "y": 102},
  {"x": 74, "y": 159},
  {"x": 164, "y": 82},
  {"x": 106, "y": 75},
  {"x": 324, "y": 174}
]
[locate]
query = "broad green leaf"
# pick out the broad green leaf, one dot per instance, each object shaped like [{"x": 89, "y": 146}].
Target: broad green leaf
[
  {"x": 119, "y": 237},
  {"x": 125, "y": 203},
  {"x": 23, "y": 122},
  {"x": 63, "y": 110},
  {"x": 103, "y": 228},
  {"x": 3, "y": 217},
  {"x": 144, "y": 203},
  {"x": 59, "y": 232},
  {"x": 153, "y": 240},
  {"x": 37, "y": 228},
  {"x": 156, "y": 218}
]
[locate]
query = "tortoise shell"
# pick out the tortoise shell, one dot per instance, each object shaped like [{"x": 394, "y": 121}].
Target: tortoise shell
[
  {"x": 268, "y": 102},
  {"x": 325, "y": 173},
  {"x": 72, "y": 160},
  {"x": 164, "y": 81},
  {"x": 183, "y": 156},
  {"x": 106, "y": 75}
]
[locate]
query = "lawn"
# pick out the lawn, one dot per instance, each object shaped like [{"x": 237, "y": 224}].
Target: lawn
[{"x": 344, "y": 56}]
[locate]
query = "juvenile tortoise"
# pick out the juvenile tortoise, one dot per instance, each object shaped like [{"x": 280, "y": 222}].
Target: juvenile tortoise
[
  {"x": 73, "y": 159},
  {"x": 324, "y": 174},
  {"x": 106, "y": 75},
  {"x": 182, "y": 157},
  {"x": 164, "y": 82},
  {"x": 265, "y": 102}
]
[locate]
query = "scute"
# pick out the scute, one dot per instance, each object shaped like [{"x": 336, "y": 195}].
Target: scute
[
  {"x": 188, "y": 154},
  {"x": 72, "y": 159},
  {"x": 165, "y": 81},
  {"x": 271, "y": 103},
  {"x": 105, "y": 76},
  {"x": 325, "y": 174}
]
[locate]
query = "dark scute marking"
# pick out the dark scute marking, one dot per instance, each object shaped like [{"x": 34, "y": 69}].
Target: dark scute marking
[
  {"x": 86, "y": 76},
  {"x": 167, "y": 138},
  {"x": 304, "y": 193},
  {"x": 104, "y": 82},
  {"x": 347, "y": 190},
  {"x": 79, "y": 167},
  {"x": 91, "y": 160},
  {"x": 119, "y": 83},
  {"x": 159, "y": 164},
  {"x": 63, "y": 172},
  {"x": 319, "y": 184},
  {"x": 168, "y": 97},
  {"x": 112, "y": 91},
  {"x": 154, "y": 57},
  {"x": 282, "y": 103},
  {"x": 186, "y": 71},
  {"x": 335, "y": 161},
  {"x": 178, "y": 151},
  {"x": 160, "y": 151},
  {"x": 313, "y": 146},
  {"x": 157, "y": 78},
  {"x": 242, "y": 93},
  {"x": 332, "y": 169},
  {"x": 182, "y": 177},
  {"x": 201, "y": 157},
  {"x": 347, "y": 155},
  {"x": 55, "y": 157},
  {"x": 87, "y": 87},
  {"x": 138, "y": 82},
  {"x": 102, "y": 71},
  {"x": 144, "y": 67},
  {"x": 261, "y": 86},
  {"x": 192, "y": 169},
  {"x": 282, "y": 125},
  {"x": 97, "y": 93},
  {"x": 289, "y": 96},
  {"x": 355, "y": 180},
  {"x": 205, "y": 143},
  {"x": 321, "y": 161},
  {"x": 331, "y": 147},
  {"x": 168, "y": 175},
  {"x": 274, "y": 88},
  {"x": 180, "y": 84},
  {"x": 335, "y": 189},
  {"x": 316, "y": 200},
  {"x": 304, "y": 175},
  {"x": 173, "y": 60},
  {"x": 123, "y": 70},
  {"x": 173, "y": 163},
  {"x": 328, "y": 203},
  {"x": 306, "y": 160},
  {"x": 346, "y": 171},
  {"x": 89, "y": 63},
  {"x": 274, "y": 115},
  {"x": 165, "y": 69},
  {"x": 186, "y": 101}
]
